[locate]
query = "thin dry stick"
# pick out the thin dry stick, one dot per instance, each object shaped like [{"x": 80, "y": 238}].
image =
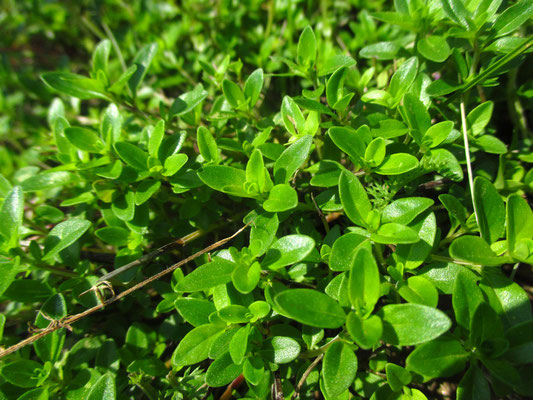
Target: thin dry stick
[
  {"x": 467, "y": 154},
  {"x": 67, "y": 321},
  {"x": 147, "y": 258},
  {"x": 305, "y": 375}
]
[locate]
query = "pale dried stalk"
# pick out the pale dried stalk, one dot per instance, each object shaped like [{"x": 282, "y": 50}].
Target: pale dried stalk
[{"x": 67, "y": 321}]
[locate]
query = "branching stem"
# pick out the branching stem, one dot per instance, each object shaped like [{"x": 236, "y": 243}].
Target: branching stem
[{"x": 67, "y": 321}]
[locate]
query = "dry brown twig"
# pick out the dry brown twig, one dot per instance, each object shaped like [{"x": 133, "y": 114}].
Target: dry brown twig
[{"x": 67, "y": 321}]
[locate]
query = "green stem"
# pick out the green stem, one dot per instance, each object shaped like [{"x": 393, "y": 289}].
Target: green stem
[
  {"x": 494, "y": 67},
  {"x": 320, "y": 350}
]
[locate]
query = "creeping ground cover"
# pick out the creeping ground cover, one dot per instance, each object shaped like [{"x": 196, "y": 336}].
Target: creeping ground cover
[{"x": 275, "y": 199}]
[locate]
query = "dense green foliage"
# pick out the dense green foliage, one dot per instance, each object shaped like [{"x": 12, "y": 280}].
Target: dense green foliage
[{"x": 380, "y": 153}]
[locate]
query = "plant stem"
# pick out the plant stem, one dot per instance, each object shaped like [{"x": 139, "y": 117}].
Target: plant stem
[
  {"x": 115, "y": 45},
  {"x": 467, "y": 155},
  {"x": 305, "y": 375},
  {"x": 320, "y": 350}
]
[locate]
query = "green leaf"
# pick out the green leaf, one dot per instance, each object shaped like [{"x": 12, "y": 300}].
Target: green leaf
[
  {"x": 11, "y": 215},
  {"x": 397, "y": 377},
  {"x": 49, "y": 347},
  {"x": 103, "y": 389},
  {"x": 22, "y": 373},
  {"x": 174, "y": 163},
  {"x": 475, "y": 250},
  {"x": 335, "y": 86},
  {"x": 364, "y": 282},
  {"x": 486, "y": 332},
  {"x": 222, "y": 371},
  {"x": 75, "y": 85},
  {"x": 331, "y": 64},
  {"x": 146, "y": 190},
  {"x": 63, "y": 235},
  {"x": 142, "y": 60},
  {"x": 209, "y": 275},
  {"x": 259, "y": 309},
  {"x": 479, "y": 117},
  {"x": 466, "y": 298},
  {"x": 255, "y": 171},
  {"x": 520, "y": 339},
  {"x": 434, "y": 48},
  {"x": 132, "y": 155},
  {"x": 313, "y": 105},
  {"x": 292, "y": 116},
  {"x": 195, "y": 311},
  {"x": 28, "y": 291},
  {"x": 119, "y": 84},
  {"x": 393, "y": 233},
  {"x": 473, "y": 385},
  {"x": 365, "y": 332},
  {"x": 338, "y": 369},
  {"x": 419, "y": 290},
  {"x": 238, "y": 345},
  {"x": 291, "y": 159},
  {"x": 379, "y": 97},
  {"x": 35, "y": 394},
  {"x": 224, "y": 179},
  {"x": 194, "y": 347},
  {"x": 437, "y": 133},
  {"x": 306, "y": 52},
  {"x": 155, "y": 137},
  {"x": 263, "y": 232},
  {"x": 234, "y": 314},
  {"x": 148, "y": 366},
  {"x": 403, "y": 211},
  {"x": 311, "y": 307},
  {"x": 490, "y": 144},
  {"x": 375, "y": 151},
  {"x": 221, "y": 344},
  {"x": 354, "y": 198},
  {"x": 443, "y": 357},
  {"x": 490, "y": 210},
  {"x": 245, "y": 278},
  {"x": 413, "y": 255},
  {"x": 234, "y": 94},
  {"x": 510, "y": 301},
  {"x": 288, "y": 250},
  {"x": 519, "y": 223},
  {"x": 456, "y": 11},
  {"x": 123, "y": 206},
  {"x": 253, "y": 370},
  {"x": 111, "y": 125},
  {"x": 282, "y": 197},
  {"x": 349, "y": 141},
  {"x": 280, "y": 349},
  {"x": 442, "y": 87},
  {"x": 113, "y": 235},
  {"x": 443, "y": 162},
  {"x": 380, "y": 51},
  {"x": 397, "y": 164},
  {"x": 403, "y": 78},
  {"x": 344, "y": 249},
  {"x": 513, "y": 17},
  {"x": 101, "y": 57},
  {"x": 8, "y": 272},
  {"x": 84, "y": 139},
  {"x": 45, "y": 181},
  {"x": 417, "y": 117},
  {"x": 188, "y": 101},
  {"x": 253, "y": 86},
  {"x": 207, "y": 145},
  {"x": 409, "y": 324}
]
